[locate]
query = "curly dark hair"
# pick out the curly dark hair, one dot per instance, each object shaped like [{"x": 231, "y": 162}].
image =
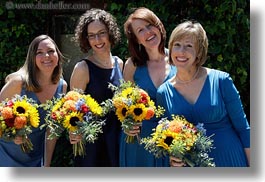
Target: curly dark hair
[{"x": 90, "y": 16}]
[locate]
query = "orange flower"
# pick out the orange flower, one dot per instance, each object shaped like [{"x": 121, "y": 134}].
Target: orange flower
[
  {"x": 72, "y": 95},
  {"x": 175, "y": 126},
  {"x": 20, "y": 122},
  {"x": 69, "y": 105},
  {"x": 150, "y": 113},
  {"x": 7, "y": 113}
]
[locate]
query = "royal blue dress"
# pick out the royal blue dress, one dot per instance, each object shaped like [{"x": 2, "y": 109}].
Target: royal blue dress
[
  {"x": 220, "y": 109},
  {"x": 134, "y": 154},
  {"x": 104, "y": 152},
  {"x": 11, "y": 154}
]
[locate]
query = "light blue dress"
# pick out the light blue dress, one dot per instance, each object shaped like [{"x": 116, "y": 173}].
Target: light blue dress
[
  {"x": 11, "y": 154},
  {"x": 134, "y": 155},
  {"x": 220, "y": 109}
]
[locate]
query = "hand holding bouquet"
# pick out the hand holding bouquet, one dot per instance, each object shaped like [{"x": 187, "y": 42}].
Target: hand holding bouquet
[
  {"x": 180, "y": 139},
  {"x": 18, "y": 116},
  {"x": 78, "y": 114},
  {"x": 132, "y": 105}
]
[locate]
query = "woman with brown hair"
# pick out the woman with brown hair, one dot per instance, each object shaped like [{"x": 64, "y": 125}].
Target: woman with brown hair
[{"x": 148, "y": 67}]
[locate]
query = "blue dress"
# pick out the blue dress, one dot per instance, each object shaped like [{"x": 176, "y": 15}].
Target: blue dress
[
  {"x": 133, "y": 154},
  {"x": 11, "y": 154},
  {"x": 104, "y": 152},
  {"x": 220, "y": 109}
]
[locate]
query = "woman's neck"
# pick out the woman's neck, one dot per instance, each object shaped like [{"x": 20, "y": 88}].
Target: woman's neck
[{"x": 104, "y": 60}]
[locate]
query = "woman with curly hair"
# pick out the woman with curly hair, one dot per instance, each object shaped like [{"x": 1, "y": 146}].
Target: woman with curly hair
[{"x": 96, "y": 33}]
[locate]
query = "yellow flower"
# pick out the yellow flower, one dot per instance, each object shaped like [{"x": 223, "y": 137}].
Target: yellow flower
[
  {"x": 138, "y": 112},
  {"x": 93, "y": 105},
  {"x": 122, "y": 111},
  {"x": 126, "y": 93},
  {"x": 21, "y": 108},
  {"x": 71, "y": 120},
  {"x": 34, "y": 117},
  {"x": 166, "y": 139}
]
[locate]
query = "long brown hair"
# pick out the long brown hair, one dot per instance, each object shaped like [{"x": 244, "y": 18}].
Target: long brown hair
[
  {"x": 31, "y": 69},
  {"x": 139, "y": 55}
]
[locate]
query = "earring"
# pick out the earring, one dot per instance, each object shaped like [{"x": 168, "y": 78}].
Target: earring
[{"x": 139, "y": 47}]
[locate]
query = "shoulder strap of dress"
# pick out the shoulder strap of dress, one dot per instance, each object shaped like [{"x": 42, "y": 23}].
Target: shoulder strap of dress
[
  {"x": 60, "y": 86},
  {"x": 117, "y": 63}
]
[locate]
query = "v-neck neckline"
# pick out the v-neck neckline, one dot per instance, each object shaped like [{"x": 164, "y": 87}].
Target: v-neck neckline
[
  {"x": 200, "y": 94},
  {"x": 149, "y": 77}
]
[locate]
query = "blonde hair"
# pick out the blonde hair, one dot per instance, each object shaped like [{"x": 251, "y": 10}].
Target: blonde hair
[{"x": 197, "y": 33}]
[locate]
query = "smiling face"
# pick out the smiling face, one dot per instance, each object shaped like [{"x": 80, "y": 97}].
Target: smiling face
[
  {"x": 183, "y": 53},
  {"x": 46, "y": 56},
  {"x": 147, "y": 34},
  {"x": 98, "y": 37}
]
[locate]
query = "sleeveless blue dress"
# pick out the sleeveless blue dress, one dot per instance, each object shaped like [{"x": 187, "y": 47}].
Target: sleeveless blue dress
[
  {"x": 134, "y": 154},
  {"x": 104, "y": 152},
  {"x": 11, "y": 154},
  {"x": 220, "y": 109}
]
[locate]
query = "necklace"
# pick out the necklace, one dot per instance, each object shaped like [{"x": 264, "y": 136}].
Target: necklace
[
  {"x": 103, "y": 63},
  {"x": 188, "y": 81}
]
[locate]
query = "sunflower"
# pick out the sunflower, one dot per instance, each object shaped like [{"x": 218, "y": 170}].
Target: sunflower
[
  {"x": 34, "y": 117},
  {"x": 122, "y": 112},
  {"x": 93, "y": 105},
  {"x": 71, "y": 120},
  {"x": 21, "y": 108},
  {"x": 138, "y": 112},
  {"x": 126, "y": 93},
  {"x": 167, "y": 138}
]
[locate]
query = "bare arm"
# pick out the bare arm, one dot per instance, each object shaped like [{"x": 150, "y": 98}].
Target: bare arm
[
  {"x": 247, "y": 152},
  {"x": 49, "y": 149},
  {"x": 80, "y": 76},
  {"x": 129, "y": 70}
]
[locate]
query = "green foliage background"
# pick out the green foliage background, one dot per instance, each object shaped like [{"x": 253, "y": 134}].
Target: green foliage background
[{"x": 226, "y": 22}]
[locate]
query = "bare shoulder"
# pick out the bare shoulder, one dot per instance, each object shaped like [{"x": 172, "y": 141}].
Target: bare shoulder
[
  {"x": 80, "y": 76},
  {"x": 12, "y": 87},
  {"x": 65, "y": 85},
  {"x": 129, "y": 70},
  {"x": 81, "y": 66}
]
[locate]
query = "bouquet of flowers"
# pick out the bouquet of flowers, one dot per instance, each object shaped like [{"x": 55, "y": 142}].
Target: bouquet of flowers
[
  {"x": 77, "y": 113},
  {"x": 132, "y": 105},
  {"x": 18, "y": 116},
  {"x": 180, "y": 139}
]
